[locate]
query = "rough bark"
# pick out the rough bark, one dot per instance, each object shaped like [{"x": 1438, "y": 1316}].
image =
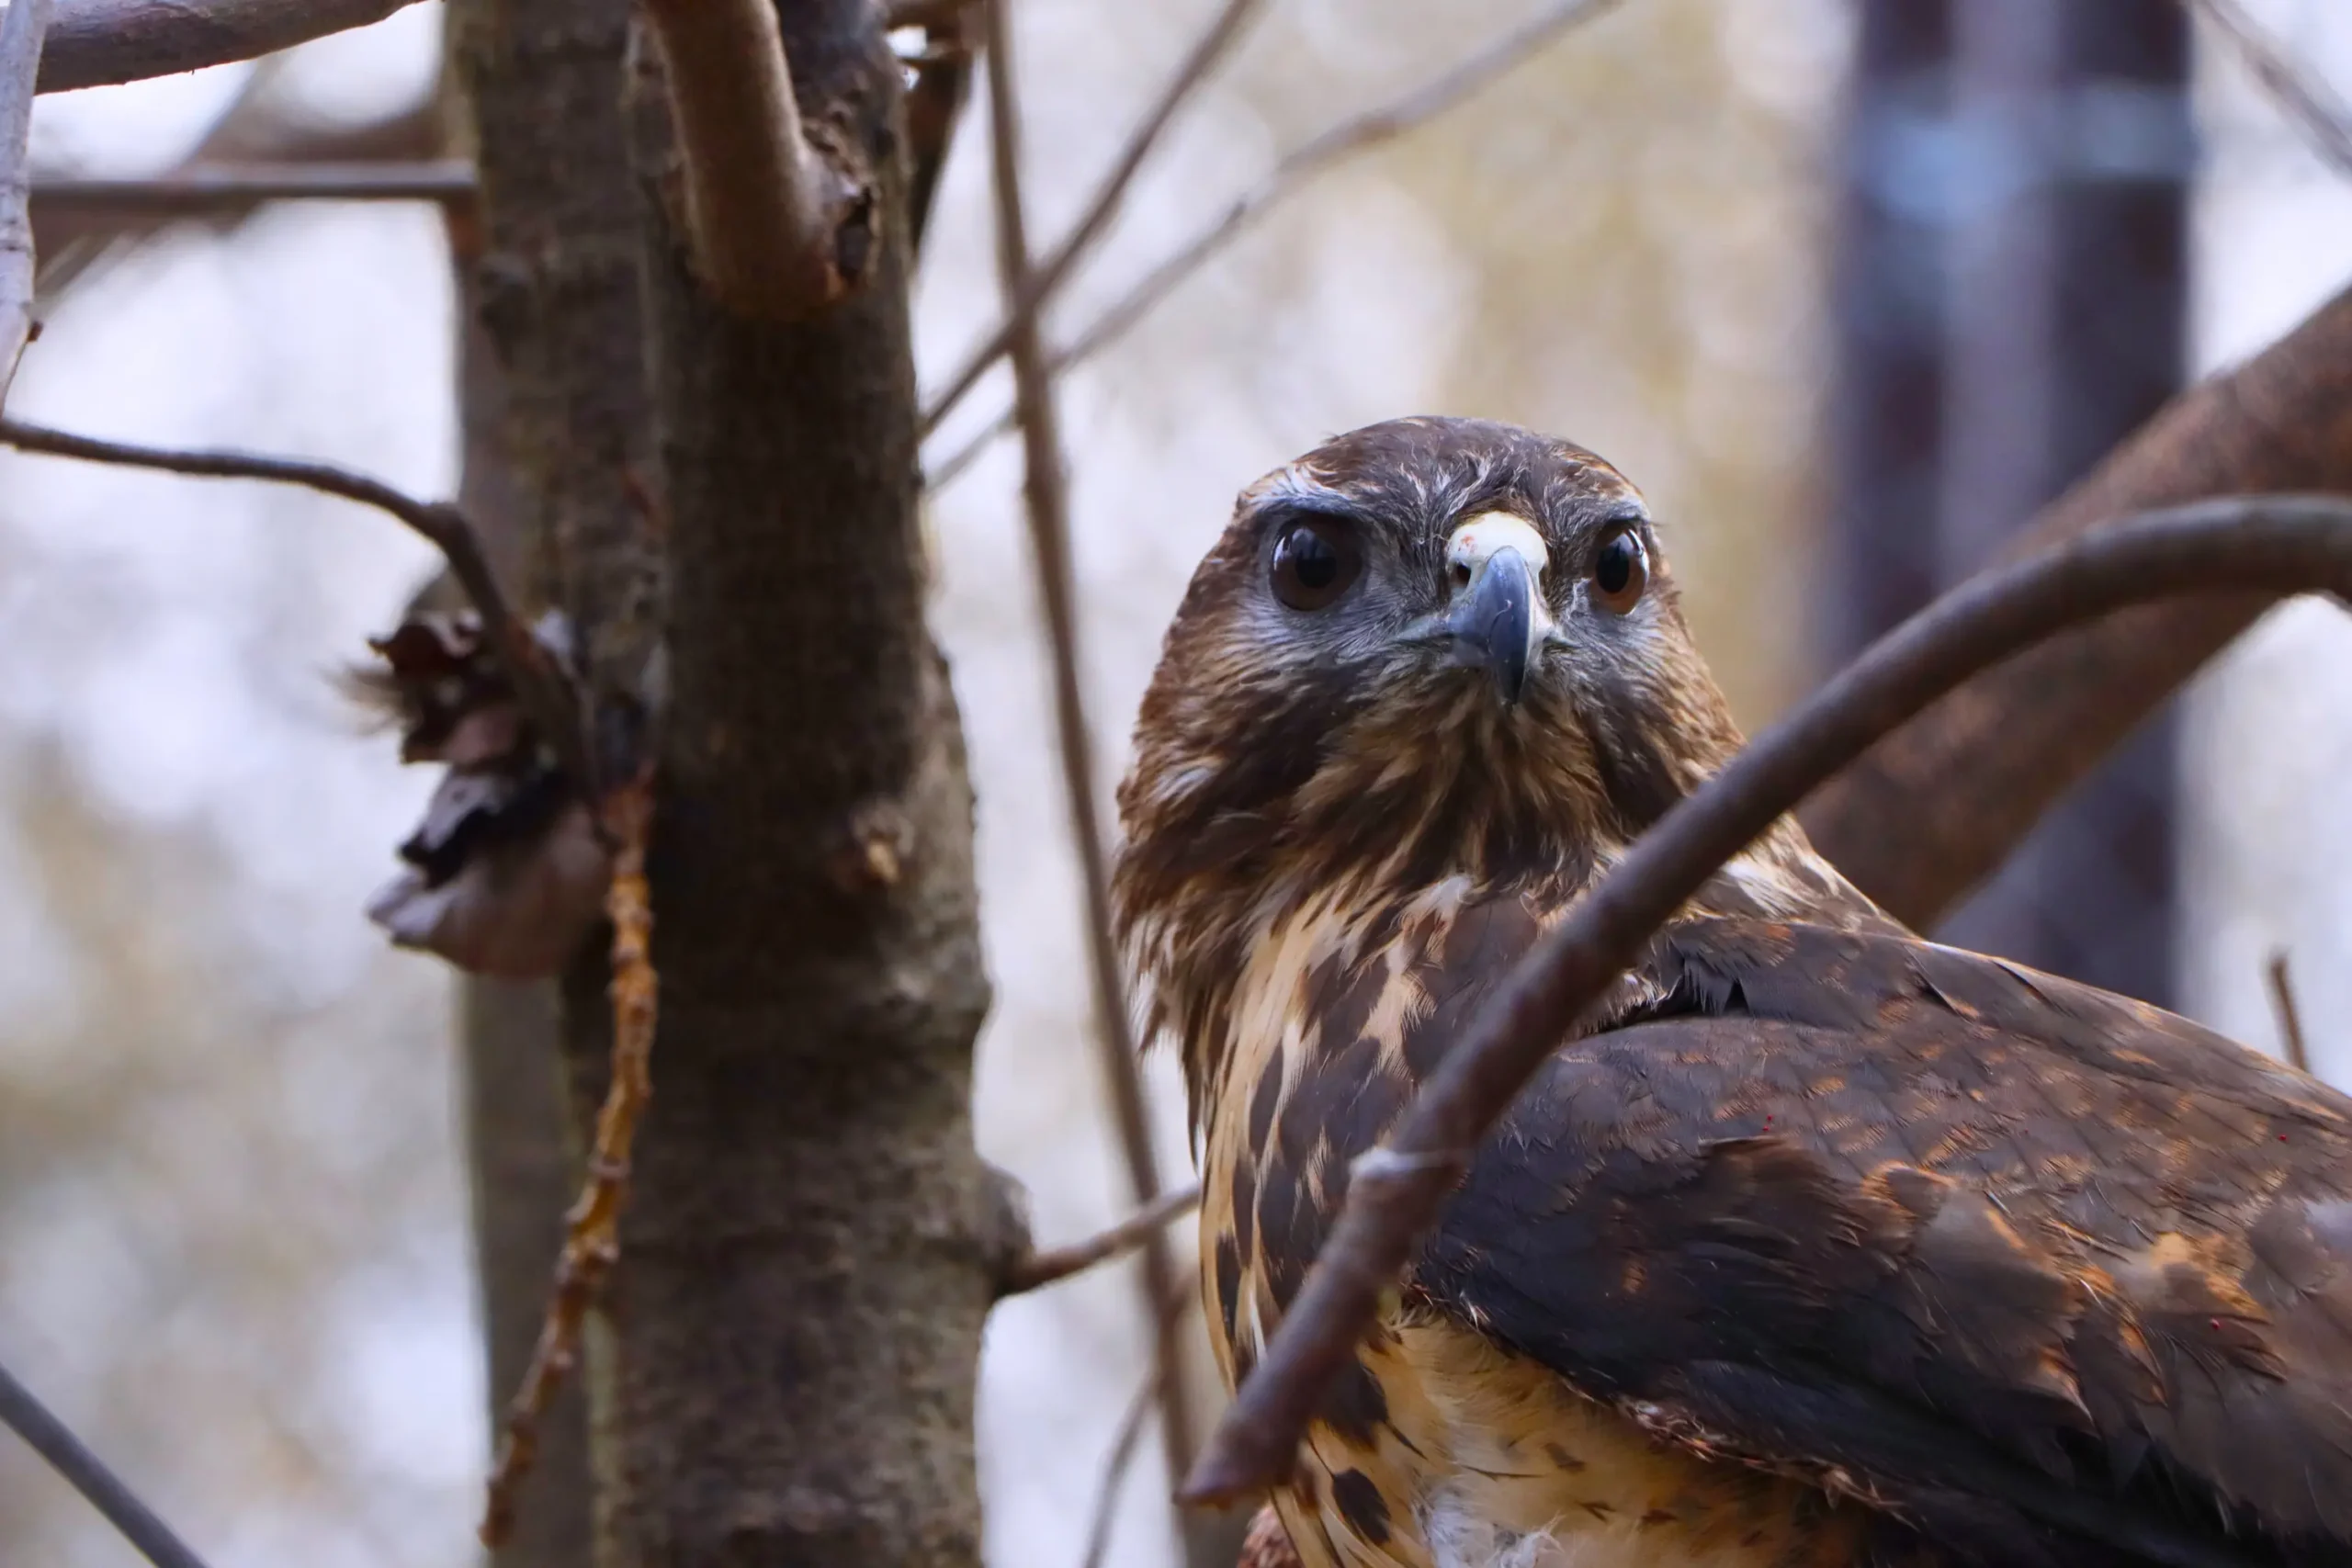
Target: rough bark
[
  {"x": 805, "y": 1273},
  {"x": 1930, "y": 812}
]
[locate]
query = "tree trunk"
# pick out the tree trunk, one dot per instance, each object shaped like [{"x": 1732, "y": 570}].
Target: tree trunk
[{"x": 803, "y": 1275}]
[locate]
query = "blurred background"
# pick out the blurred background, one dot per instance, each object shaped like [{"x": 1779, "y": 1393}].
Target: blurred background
[{"x": 1846, "y": 286}]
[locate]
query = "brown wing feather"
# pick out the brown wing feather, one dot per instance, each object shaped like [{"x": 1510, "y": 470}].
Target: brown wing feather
[{"x": 1973, "y": 1233}]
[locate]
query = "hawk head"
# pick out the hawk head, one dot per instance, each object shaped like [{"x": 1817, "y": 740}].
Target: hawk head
[{"x": 1430, "y": 649}]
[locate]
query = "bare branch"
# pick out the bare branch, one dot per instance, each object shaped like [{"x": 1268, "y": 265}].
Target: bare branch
[
  {"x": 2302, "y": 97},
  {"x": 2291, "y": 1019},
  {"x": 1360, "y": 133},
  {"x": 203, "y": 189},
  {"x": 70, "y": 1458},
  {"x": 1938, "y": 805},
  {"x": 544, "y": 691},
  {"x": 1122, "y": 1458},
  {"x": 1211, "y": 46},
  {"x": 251, "y": 133},
  {"x": 1057, "y": 1264},
  {"x": 1048, "y": 511},
  {"x": 591, "y": 1240},
  {"x": 763, "y": 208},
  {"x": 1170, "y": 1312},
  {"x": 21, "y": 31},
  {"x": 97, "y": 43},
  {"x": 2281, "y": 545}
]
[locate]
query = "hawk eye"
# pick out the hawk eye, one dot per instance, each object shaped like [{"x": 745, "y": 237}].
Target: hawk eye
[
  {"x": 1620, "y": 571},
  {"x": 1314, "y": 563}
]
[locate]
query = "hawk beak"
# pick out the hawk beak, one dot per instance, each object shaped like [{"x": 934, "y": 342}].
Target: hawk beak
[{"x": 1496, "y": 617}]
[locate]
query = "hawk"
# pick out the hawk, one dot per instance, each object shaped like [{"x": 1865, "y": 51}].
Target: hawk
[{"x": 1820, "y": 1244}]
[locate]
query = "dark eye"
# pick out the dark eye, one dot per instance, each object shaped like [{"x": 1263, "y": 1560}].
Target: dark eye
[
  {"x": 1314, "y": 564},
  {"x": 1621, "y": 571}
]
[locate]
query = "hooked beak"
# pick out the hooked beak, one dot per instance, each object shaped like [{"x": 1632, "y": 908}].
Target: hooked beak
[{"x": 1496, "y": 617}]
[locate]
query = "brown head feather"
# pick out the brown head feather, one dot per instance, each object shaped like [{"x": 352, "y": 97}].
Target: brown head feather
[{"x": 1284, "y": 755}]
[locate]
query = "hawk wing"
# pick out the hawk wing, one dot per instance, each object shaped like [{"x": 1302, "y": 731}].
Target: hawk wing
[{"x": 2052, "y": 1275}]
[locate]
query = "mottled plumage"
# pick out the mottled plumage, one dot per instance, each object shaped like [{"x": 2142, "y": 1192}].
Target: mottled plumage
[{"x": 1825, "y": 1244}]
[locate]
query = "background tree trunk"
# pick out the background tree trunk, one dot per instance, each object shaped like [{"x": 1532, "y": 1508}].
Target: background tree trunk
[{"x": 556, "y": 436}]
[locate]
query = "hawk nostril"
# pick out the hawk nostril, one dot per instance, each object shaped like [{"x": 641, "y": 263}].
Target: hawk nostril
[{"x": 1462, "y": 574}]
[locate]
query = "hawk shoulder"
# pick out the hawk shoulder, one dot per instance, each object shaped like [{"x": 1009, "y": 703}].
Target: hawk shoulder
[{"x": 2023, "y": 1256}]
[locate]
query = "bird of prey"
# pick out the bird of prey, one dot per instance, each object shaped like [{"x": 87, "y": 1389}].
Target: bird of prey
[{"x": 1819, "y": 1244}]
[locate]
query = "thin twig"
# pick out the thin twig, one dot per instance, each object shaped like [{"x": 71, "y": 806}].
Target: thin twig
[
  {"x": 2302, "y": 97},
  {"x": 87, "y": 1473},
  {"x": 1360, "y": 133},
  {"x": 2291, "y": 1019},
  {"x": 1115, "y": 1468},
  {"x": 2279, "y": 544},
  {"x": 1170, "y": 1313},
  {"x": 1048, "y": 514},
  {"x": 251, "y": 133},
  {"x": 1056, "y": 1264},
  {"x": 1048, "y": 511},
  {"x": 21, "y": 31},
  {"x": 543, "y": 690},
  {"x": 591, "y": 1233},
  {"x": 762, "y": 205},
  {"x": 205, "y": 188},
  {"x": 1211, "y": 46},
  {"x": 96, "y": 43}
]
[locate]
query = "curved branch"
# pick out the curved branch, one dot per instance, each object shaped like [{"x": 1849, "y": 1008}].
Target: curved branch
[
  {"x": 1933, "y": 808},
  {"x": 544, "y": 691},
  {"x": 2282, "y": 545},
  {"x": 104, "y": 1490},
  {"x": 99, "y": 43}
]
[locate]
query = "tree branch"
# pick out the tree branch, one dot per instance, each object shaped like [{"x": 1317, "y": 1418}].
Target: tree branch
[
  {"x": 99, "y": 43},
  {"x": 2302, "y": 98},
  {"x": 2279, "y": 545},
  {"x": 591, "y": 1230},
  {"x": 544, "y": 691},
  {"x": 1210, "y": 47},
  {"x": 1359, "y": 134},
  {"x": 765, "y": 211},
  {"x": 1048, "y": 513},
  {"x": 1936, "y": 806},
  {"x": 2291, "y": 1018},
  {"x": 70, "y": 1458},
  {"x": 1054, "y": 1265},
  {"x": 203, "y": 189},
  {"x": 21, "y": 31}
]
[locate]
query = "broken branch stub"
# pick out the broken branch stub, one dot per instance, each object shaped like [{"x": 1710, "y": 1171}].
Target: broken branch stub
[{"x": 779, "y": 211}]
